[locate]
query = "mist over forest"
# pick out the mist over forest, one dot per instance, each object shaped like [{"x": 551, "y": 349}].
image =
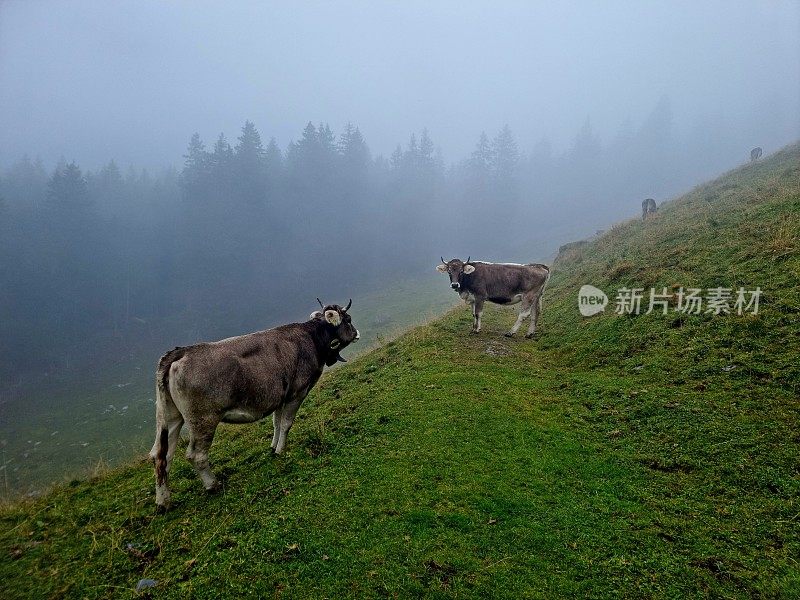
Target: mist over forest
[
  {"x": 232, "y": 362},
  {"x": 342, "y": 149},
  {"x": 97, "y": 263}
]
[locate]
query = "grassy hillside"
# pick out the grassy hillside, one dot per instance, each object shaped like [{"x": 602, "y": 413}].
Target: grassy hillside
[
  {"x": 49, "y": 441},
  {"x": 615, "y": 456}
]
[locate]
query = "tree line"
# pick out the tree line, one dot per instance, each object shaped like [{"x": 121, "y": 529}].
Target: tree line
[{"x": 104, "y": 263}]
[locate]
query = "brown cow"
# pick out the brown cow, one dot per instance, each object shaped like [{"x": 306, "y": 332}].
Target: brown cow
[
  {"x": 501, "y": 283},
  {"x": 241, "y": 380}
]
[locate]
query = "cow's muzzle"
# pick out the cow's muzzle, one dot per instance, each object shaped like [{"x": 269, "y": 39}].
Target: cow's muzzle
[{"x": 455, "y": 285}]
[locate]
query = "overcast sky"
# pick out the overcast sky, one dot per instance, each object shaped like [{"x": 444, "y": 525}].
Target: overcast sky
[{"x": 95, "y": 80}]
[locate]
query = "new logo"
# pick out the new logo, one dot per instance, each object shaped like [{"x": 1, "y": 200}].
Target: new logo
[{"x": 591, "y": 300}]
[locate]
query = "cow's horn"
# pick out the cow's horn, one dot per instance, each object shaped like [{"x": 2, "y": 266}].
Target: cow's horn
[
  {"x": 443, "y": 261},
  {"x": 322, "y": 306},
  {"x": 339, "y": 358},
  {"x": 467, "y": 260},
  {"x": 349, "y": 303}
]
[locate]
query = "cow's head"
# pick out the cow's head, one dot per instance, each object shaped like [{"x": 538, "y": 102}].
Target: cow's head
[
  {"x": 340, "y": 325},
  {"x": 456, "y": 269}
]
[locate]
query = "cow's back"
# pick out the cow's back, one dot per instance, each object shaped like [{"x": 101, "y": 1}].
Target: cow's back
[
  {"x": 254, "y": 368},
  {"x": 205, "y": 372},
  {"x": 498, "y": 280}
]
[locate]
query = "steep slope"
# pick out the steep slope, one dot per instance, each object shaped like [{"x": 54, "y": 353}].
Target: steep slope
[{"x": 636, "y": 456}]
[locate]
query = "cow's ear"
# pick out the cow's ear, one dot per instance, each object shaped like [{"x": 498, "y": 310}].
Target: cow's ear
[
  {"x": 468, "y": 269},
  {"x": 441, "y": 268},
  {"x": 333, "y": 317},
  {"x": 317, "y": 314}
]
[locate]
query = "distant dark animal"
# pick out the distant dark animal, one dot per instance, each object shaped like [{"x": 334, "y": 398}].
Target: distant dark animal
[
  {"x": 755, "y": 154},
  {"x": 501, "y": 283},
  {"x": 648, "y": 208},
  {"x": 241, "y": 380}
]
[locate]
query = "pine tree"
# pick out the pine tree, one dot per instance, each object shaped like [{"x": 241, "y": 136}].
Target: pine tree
[
  {"x": 396, "y": 159},
  {"x": 273, "y": 159},
  {"x": 482, "y": 157},
  {"x": 67, "y": 189},
  {"x": 110, "y": 177},
  {"x": 273, "y": 169},
  {"x": 221, "y": 158},
  {"x": 326, "y": 139},
  {"x": 307, "y": 148},
  {"x": 249, "y": 151},
  {"x": 505, "y": 154},
  {"x": 426, "y": 150},
  {"x": 107, "y": 186},
  {"x": 353, "y": 149},
  {"x": 250, "y": 166},
  {"x": 194, "y": 176},
  {"x": 195, "y": 159},
  {"x": 411, "y": 156}
]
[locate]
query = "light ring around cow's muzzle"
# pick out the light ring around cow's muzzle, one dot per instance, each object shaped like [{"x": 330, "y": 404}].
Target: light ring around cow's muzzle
[{"x": 455, "y": 285}]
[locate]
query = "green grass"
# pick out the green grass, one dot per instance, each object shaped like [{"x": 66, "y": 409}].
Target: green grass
[
  {"x": 611, "y": 457},
  {"x": 102, "y": 418}
]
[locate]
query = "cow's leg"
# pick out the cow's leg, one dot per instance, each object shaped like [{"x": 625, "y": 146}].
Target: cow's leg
[
  {"x": 168, "y": 430},
  {"x": 287, "y": 419},
  {"x": 468, "y": 299},
  {"x": 201, "y": 434},
  {"x": 167, "y": 417},
  {"x": 477, "y": 309},
  {"x": 524, "y": 313},
  {"x": 537, "y": 310},
  {"x": 173, "y": 435},
  {"x": 276, "y": 426}
]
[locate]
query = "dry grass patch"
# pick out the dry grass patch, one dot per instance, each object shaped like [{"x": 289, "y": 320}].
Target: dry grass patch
[{"x": 782, "y": 237}]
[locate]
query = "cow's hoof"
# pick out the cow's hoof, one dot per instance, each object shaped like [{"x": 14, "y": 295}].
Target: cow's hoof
[
  {"x": 161, "y": 509},
  {"x": 214, "y": 488},
  {"x": 508, "y": 334},
  {"x": 530, "y": 336},
  {"x": 474, "y": 332}
]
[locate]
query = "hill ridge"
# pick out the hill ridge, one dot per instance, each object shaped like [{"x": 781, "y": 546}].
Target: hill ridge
[{"x": 633, "y": 455}]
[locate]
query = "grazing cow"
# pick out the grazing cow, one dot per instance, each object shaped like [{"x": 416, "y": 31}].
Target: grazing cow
[
  {"x": 648, "y": 208},
  {"x": 755, "y": 154},
  {"x": 241, "y": 380},
  {"x": 501, "y": 283}
]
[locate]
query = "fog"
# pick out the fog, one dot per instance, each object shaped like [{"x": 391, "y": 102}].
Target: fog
[
  {"x": 174, "y": 172},
  {"x": 132, "y": 80}
]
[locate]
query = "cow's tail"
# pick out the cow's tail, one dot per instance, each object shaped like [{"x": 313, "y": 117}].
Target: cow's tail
[
  {"x": 544, "y": 285},
  {"x": 164, "y": 407}
]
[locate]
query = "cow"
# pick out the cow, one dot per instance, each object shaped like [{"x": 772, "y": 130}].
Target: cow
[
  {"x": 648, "y": 208},
  {"x": 241, "y": 380},
  {"x": 501, "y": 283},
  {"x": 755, "y": 154}
]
